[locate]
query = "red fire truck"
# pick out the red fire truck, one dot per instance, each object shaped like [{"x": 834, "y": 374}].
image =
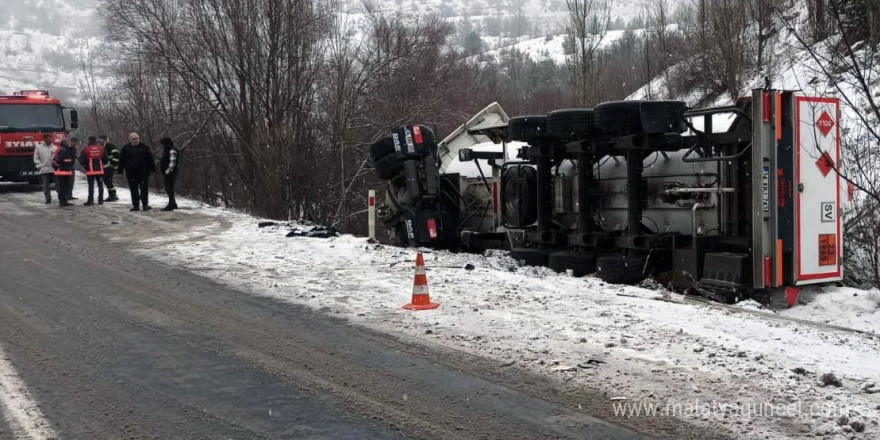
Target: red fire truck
[{"x": 25, "y": 117}]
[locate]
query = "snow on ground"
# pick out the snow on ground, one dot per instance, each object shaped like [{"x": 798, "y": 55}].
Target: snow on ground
[
  {"x": 637, "y": 346},
  {"x": 843, "y": 306}
]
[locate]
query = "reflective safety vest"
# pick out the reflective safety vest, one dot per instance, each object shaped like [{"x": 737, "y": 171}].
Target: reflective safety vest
[
  {"x": 63, "y": 161},
  {"x": 61, "y": 172},
  {"x": 94, "y": 160}
]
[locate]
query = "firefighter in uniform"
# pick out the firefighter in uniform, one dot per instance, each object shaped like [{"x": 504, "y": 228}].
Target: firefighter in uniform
[
  {"x": 112, "y": 162},
  {"x": 63, "y": 165},
  {"x": 136, "y": 161},
  {"x": 93, "y": 160}
]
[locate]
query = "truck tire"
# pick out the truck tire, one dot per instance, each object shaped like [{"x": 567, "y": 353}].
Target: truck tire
[
  {"x": 528, "y": 129},
  {"x": 388, "y": 166},
  {"x": 530, "y": 256},
  {"x": 415, "y": 141},
  {"x": 623, "y": 118},
  {"x": 519, "y": 196},
  {"x": 571, "y": 124},
  {"x": 580, "y": 263},
  {"x": 381, "y": 148},
  {"x": 618, "y": 268}
]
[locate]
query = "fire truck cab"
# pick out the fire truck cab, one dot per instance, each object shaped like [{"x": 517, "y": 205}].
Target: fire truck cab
[{"x": 25, "y": 117}]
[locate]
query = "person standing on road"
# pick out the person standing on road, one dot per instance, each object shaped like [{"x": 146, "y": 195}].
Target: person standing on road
[
  {"x": 74, "y": 142},
  {"x": 169, "y": 165},
  {"x": 93, "y": 160},
  {"x": 43, "y": 155},
  {"x": 63, "y": 164},
  {"x": 136, "y": 161},
  {"x": 112, "y": 152}
]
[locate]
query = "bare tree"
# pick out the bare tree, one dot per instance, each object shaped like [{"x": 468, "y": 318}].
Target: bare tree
[
  {"x": 587, "y": 25},
  {"x": 848, "y": 62},
  {"x": 762, "y": 14}
]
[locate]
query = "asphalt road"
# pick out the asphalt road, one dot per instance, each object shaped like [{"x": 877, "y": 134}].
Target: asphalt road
[{"x": 113, "y": 346}]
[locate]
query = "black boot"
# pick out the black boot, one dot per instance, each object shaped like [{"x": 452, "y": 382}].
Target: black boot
[{"x": 169, "y": 208}]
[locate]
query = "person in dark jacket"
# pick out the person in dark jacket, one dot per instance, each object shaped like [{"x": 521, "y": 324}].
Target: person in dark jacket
[
  {"x": 93, "y": 159},
  {"x": 136, "y": 161},
  {"x": 110, "y": 169},
  {"x": 169, "y": 165},
  {"x": 63, "y": 164}
]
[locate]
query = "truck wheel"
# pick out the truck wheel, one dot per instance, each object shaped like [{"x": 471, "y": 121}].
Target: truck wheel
[
  {"x": 580, "y": 263},
  {"x": 623, "y": 118},
  {"x": 571, "y": 124},
  {"x": 528, "y": 129},
  {"x": 530, "y": 256},
  {"x": 381, "y": 148},
  {"x": 519, "y": 196},
  {"x": 625, "y": 269},
  {"x": 388, "y": 166}
]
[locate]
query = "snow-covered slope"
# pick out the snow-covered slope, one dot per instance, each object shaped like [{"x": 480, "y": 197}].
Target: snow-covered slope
[{"x": 41, "y": 42}]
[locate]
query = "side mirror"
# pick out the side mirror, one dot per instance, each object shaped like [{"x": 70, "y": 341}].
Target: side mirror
[
  {"x": 74, "y": 119},
  {"x": 465, "y": 155}
]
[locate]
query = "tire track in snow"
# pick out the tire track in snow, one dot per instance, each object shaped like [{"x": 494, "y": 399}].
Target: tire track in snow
[{"x": 18, "y": 407}]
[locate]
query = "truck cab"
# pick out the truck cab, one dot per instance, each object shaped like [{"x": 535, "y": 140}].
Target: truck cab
[{"x": 25, "y": 117}]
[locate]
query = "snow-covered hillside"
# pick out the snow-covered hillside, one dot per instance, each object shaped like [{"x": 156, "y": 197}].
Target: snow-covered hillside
[{"x": 41, "y": 42}]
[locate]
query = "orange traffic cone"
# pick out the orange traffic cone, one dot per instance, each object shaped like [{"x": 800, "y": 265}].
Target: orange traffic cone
[{"x": 420, "y": 298}]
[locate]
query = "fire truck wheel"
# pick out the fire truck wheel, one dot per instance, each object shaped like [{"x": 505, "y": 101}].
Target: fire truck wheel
[
  {"x": 621, "y": 268},
  {"x": 622, "y": 118},
  {"x": 529, "y": 256},
  {"x": 571, "y": 124},
  {"x": 528, "y": 129},
  {"x": 388, "y": 167},
  {"x": 580, "y": 263},
  {"x": 381, "y": 148}
]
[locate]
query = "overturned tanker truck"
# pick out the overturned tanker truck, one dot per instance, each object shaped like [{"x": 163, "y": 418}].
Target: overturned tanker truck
[{"x": 727, "y": 201}]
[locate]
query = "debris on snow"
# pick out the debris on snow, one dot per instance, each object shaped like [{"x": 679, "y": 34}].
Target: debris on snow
[
  {"x": 857, "y": 426},
  {"x": 829, "y": 379}
]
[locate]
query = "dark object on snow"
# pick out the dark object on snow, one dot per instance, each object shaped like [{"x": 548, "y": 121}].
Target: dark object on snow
[
  {"x": 469, "y": 267},
  {"x": 830, "y": 379},
  {"x": 857, "y": 426},
  {"x": 591, "y": 363},
  {"x": 799, "y": 370},
  {"x": 265, "y": 224},
  {"x": 530, "y": 256},
  {"x": 311, "y": 230}
]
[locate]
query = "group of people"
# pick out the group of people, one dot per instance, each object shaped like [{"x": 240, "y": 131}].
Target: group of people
[{"x": 101, "y": 160}]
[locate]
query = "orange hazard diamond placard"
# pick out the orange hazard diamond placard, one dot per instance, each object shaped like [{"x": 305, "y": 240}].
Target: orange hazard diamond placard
[
  {"x": 827, "y": 249},
  {"x": 825, "y": 164},
  {"x": 825, "y": 123}
]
